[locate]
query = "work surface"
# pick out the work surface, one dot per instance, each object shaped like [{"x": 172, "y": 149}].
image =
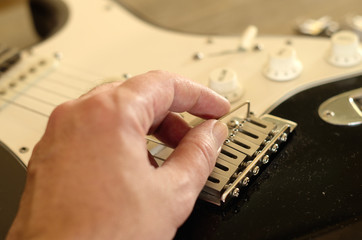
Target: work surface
[{"x": 232, "y": 16}]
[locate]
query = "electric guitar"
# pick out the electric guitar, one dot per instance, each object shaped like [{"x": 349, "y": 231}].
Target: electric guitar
[{"x": 312, "y": 186}]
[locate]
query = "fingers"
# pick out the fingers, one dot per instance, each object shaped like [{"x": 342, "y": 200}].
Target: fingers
[
  {"x": 171, "y": 130},
  {"x": 161, "y": 92},
  {"x": 194, "y": 158}
]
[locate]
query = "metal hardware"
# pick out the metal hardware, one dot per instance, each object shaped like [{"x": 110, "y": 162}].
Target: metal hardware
[
  {"x": 198, "y": 56},
  {"x": 265, "y": 159},
  {"x": 275, "y": 148},
  {"x": 23, "y": 149},
  {"x": 256, "y": 170},
  {"x": 245, "y": 181},
  {"x": 256, "y": 160},
  {"x": 236, "y": 192},
  {"x": 251, "y": 143},
  {"x": 343, "y": 109}
]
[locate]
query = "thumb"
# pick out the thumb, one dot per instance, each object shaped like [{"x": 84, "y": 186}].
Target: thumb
[{"x": 194, "y": 158}]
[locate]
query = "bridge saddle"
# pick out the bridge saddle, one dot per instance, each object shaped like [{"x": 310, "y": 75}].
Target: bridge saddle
[{"x": 251, "y": 144}]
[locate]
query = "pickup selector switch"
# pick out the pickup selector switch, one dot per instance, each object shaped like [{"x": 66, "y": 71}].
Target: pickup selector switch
[
  {"x": 225, "y": 82},
  {"x": 283, "y": 65},
  {"x": 345, "y": 49}
]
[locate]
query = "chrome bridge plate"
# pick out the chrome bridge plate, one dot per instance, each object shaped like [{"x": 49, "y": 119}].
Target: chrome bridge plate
[{"x": 252, "y": 142}]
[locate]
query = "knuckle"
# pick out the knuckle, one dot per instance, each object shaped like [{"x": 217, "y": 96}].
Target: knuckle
[{"x": 59, "y": 112}]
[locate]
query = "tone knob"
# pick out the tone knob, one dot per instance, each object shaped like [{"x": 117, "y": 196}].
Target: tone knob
[
  {"x": 283, "y": 65},
  {"x": 345, "y": 49},
  {"x": 225, "y": 82}
]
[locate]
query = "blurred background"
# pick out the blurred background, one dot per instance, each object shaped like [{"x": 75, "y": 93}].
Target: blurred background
[
  {"x": 232, "y": 16},
  {"x": 35, "y": 20}
]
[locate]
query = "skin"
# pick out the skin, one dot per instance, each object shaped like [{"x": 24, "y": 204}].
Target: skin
[{"x": 91, "y": 176}]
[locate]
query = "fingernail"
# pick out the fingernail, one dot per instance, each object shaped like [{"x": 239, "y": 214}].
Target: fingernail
[{"x": 220, "y": 133}]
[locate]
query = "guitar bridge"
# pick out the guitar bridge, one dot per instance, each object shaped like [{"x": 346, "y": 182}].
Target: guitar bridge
[{"x": 251, "y": 143}]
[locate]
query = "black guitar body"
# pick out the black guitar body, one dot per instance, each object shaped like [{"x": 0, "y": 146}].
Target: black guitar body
[
  {"x": 312, "y": 188},
  {"x": 12, "y": 181}
]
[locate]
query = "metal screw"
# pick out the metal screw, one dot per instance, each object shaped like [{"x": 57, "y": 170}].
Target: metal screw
[
  {"x": 127, "y": 76},
  {"x": 23, "y": 150},
  {"x": 284, "y": 137},
  {"x": 198, "y": 56},
  {"x": 275, "y": 148},
  {"x": 236, "y": 192},
  {"x": 265, "y": 159},
  {"x": 258, "y": 47},
  {"x": 329, "y": 113},
  {"x": 274, "y": 132},
  {"x": 245, "y": 164},
  {"x": 256, "y": 170},
  {"x": 233, "y": 123},
  {"x": 245, "y": 181}
]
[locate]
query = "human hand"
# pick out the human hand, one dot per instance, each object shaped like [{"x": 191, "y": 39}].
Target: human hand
[{"x": 91, "y": 176}]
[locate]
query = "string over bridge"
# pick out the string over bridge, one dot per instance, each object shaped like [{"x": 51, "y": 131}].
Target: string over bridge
[{"x": 251, "y": 143}]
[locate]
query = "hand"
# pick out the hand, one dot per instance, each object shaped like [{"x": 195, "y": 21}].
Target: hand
[{"x": 91, "y": 177}]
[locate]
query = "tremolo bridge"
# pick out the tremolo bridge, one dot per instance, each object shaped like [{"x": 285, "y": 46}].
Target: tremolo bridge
[{"x": 252, "y": 142}]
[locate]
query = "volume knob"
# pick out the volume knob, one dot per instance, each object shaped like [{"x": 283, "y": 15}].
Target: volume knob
[
  {"x": 283, "y": 65},
  {"x": 345, "y": 49},
  {"x": 225, "y": 82}
]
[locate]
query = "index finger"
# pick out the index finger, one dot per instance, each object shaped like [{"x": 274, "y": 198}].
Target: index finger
[{"x": 161, "y": 92}]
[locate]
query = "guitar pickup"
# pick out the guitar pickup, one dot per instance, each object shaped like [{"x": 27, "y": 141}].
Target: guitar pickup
[
  {"x": 251, "y": 143},
  {"x": 8, "y": 57}
]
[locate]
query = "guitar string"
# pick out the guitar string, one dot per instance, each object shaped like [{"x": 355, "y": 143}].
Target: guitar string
[
  {"x": 37, "y": 99},
  {"x": 48, "y": 78},
  {"x": 67, "y": 71},
  {"x": 78, "y": 69},
  {"x": 74, "y": 77},
  {"x": 10, "y": 102},
  {"x": 67, "y": 97},
  {"x": 59, "y": 82}
]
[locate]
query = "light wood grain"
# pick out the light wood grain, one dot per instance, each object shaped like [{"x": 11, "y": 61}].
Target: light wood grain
[{"x": 230, "y": 17}]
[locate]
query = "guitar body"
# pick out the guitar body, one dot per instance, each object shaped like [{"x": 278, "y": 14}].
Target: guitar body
[
  {"x": 313, "y": 187},
  {"x": 12, "y": 181},
  {"x": 313, "y": 183}
]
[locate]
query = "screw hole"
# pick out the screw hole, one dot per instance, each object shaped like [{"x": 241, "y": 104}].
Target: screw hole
[{"x": 23, "y": 150}]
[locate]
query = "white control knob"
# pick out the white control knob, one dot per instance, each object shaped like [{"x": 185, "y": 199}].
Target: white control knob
[
  {"x": 283, "y": 65},
  {"x": 345, "y": 49},
  {"x": 225, "y": 82}
]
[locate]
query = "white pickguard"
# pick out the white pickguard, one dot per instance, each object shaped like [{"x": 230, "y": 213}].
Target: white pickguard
[{"x": 101, "y": 40}]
